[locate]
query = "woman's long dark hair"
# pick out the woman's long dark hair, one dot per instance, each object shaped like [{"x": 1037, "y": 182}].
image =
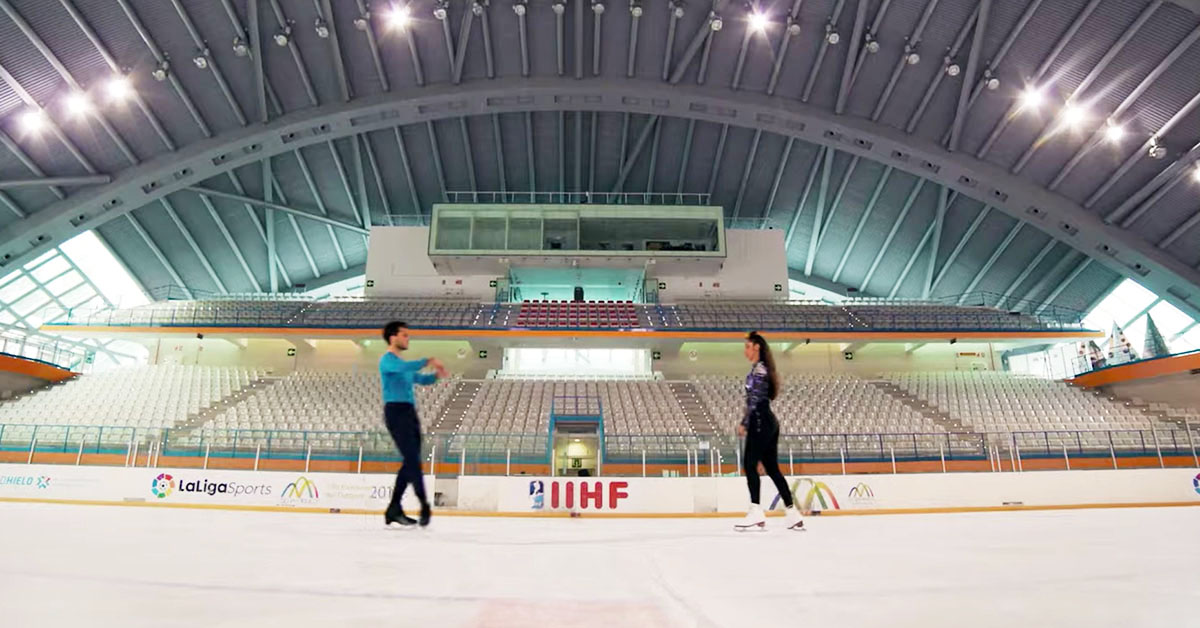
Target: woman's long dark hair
[{"x": 764, "y": 356}]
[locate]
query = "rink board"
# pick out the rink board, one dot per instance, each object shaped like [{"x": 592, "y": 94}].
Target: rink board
[
  {"x": 331, "y": 492},
  {"x": 199, "y": 487}
]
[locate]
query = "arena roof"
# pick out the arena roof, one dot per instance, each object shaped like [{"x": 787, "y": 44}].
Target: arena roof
[{"x": 1040, "y": 149}]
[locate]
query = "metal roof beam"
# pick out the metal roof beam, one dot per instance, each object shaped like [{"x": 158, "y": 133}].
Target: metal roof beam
[
  {"x": 1177, "y": 232},
  {"x": 779, "y": 170},
  {"x": 1142, "y": 200},
  {"x": 671, "y": 27},
  {"x": 95, "y": 179},
  {"x": 938, "y": 222},
  {"x": 408, "y": 176},
  {"x": 1026, "y": 272},
  {"x": 316, "y": 194},
  {"x": 116, "y": 68},
  {"x": 887, "y": 243},
  {"x": 591, "y": 155},
  {"x": 485, "y": 22},
  {"x": 853, "y": 49},
  {"x": 160, "y": 59},
  {"x": 1122, "y": 108},
  {"x": 912, "y": 259},
  {"x": 460, "y": 50},
  {"x": 287, "y": 209},
  {"x": 815, "y": 70},
  {"x": 524, "y": 38},
  {"x": 498, "y": 141},
  {"x": 910, "y": 45},
  {"x": 559, "y": 45},
  {"x": 335, "y": 48},
  {"x": 654, "y": 142},
  {"x": 376, "y": 173},
  {"x": 741, "y": 59},
  {"x": 1037, "y": 77},
  {"x": 273, "y": 260},
  {"x": 837, "y": 199},
  {"x": 968, "y": 81},
  {"x": 958, "y": 248},
  {"x": 987, "y": 266},
  {"x": 862, "y": 221},
  {"x": 187, "y": 236},
  {"x": 237, "y": 251},
  {"x": 717, "y": 158},
  {"x": 1055, "y": 125},
  {"x": 372, "y": 45},
  {"x": 55, "y": 129},
  {"x": 260, "y": 75},
  {"x": 529, "y": 162},
  {"x": 293, "y": 48},
  {"x": 68, "y": 78},
  {"x": 940, "y": 76},
  {"x": 703, "y": 33},
  {"x": 1062, "y": 285},
  {"x": 741, "y": 193},
  {"x": 813, "y": 169},
  {"x": 198, "y": 42},
  {"x": 872, "y": 32},
  {"x": 578, "y": 39},
  {"x": 687, "y": 155},
  {"x": 291, "y": 218},
  {"x": 466, "y": 140},
  {"x": 644, "y": 135}
]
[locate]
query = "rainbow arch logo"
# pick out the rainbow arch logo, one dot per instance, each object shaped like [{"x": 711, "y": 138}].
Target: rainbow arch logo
[
  {"x": 861, "y": 491},
  {"x": 814, "y": 492},
  {"x": 302, "y": 488},
  {"x": 162, "y": 485}
]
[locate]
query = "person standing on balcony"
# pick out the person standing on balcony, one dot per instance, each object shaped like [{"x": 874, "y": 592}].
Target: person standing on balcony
[
  {"x": 400, "y": 415},
  {"x": 761, "y": 429}
]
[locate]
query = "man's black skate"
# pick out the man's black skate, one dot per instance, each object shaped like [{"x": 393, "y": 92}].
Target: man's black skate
[
  {"x": 397, "y": 517},
  {"x": 426, "y": 512}
]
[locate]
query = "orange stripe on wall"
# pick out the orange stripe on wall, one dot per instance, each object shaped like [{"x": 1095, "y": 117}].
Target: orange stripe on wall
[
  {"x": 33, "y": 368},
  {"x": 351, "y": 333},
  {"x": 1143, "y": 369}
]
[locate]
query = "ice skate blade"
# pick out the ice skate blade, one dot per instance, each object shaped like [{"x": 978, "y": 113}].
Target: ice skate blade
[{"x": 760, "y": 527}]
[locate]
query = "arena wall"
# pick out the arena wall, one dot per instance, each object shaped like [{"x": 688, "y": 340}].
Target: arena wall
[{"x": 830, "y": 494}]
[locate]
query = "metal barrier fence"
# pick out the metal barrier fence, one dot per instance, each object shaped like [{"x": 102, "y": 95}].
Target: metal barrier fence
[{"x": 496, "y": 454}]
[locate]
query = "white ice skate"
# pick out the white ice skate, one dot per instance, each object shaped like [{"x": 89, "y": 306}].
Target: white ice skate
[
  {"x": 792, "y": 520},
  {"x": 755, "y": 520}
]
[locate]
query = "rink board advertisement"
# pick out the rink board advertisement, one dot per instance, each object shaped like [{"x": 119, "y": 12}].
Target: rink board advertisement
[
  {"x": 199, "y": 486},
  {"x": 528, "y": 494},
  {"x": 972, "y": 490},
  {"x": 559, "y": 494}
]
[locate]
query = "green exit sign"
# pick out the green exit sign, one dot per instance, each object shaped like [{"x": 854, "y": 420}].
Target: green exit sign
[
  {"x": 291, "y": 352},
  {"x": 493, "y": 283},
  {"x": 370, "y": 283},
  {"x": 657, "y": 355},
  {"x": 483, "y": 354},
  {"x": 778, "y": 287}
]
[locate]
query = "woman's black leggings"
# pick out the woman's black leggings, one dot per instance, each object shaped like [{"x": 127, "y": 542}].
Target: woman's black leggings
[
  {"x": 762, "y": 445},
  {"x": 405, "y": 428}
]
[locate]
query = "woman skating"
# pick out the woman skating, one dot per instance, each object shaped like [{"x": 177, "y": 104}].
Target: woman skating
[{"x": 761, "y": 429}]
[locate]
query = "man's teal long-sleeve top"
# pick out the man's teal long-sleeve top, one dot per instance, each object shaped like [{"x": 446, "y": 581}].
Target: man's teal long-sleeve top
[{"x": 399, "y": 375}]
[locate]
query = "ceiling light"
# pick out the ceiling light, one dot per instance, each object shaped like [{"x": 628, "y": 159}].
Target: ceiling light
[
  {"x": 912, "y": 58},
  {"x": 832, "y": 36},
  {"x": 476, "y": 9},
  {"x": 439, "y": 11},
  {"x": 362, "y": 22},
  {"x": 398, "y": 18},
  {"x": 201, "y": 59},
  {"x": 1157, "y": 150},
  {"x": 953, "y": 69},
  {"x": 759, "y": 21},
  {"x": 715, "y": 23},
  {"x": 119, "y": 88},
  {"x": 519, "y": 9},
  {"x": 678, "y": 12},
  {"x": 283, "y": 36},
  {"x": 1196, "y": 174},
  {"x": 78, "y": 104},
  {"x": 160, "y": 71},
  {"x": 991, "y": 82},
  {"x": 635, "y": 10},
  {"x": 239, "y": 47},
  {"x": 1114, "y": 132},
  {"x": 1031, "y": 98},
  {"x": 33, "y": 121},
  {"x": 322, "y": 28},
  {"x": 1074, "y": 115},
  {"x": 558, "y": 8},
  {"x": 598, "y": 8},
  {"x": 872, "y": 45}
]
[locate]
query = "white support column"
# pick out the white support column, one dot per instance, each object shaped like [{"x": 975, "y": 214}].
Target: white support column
[{"x": 207, "y": 451}]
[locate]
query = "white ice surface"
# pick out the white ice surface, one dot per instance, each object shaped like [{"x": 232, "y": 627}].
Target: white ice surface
[{"x": 132, "y": 567}]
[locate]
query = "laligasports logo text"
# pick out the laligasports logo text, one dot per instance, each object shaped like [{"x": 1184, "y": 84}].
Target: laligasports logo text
[{"x": 164, "y": 485}]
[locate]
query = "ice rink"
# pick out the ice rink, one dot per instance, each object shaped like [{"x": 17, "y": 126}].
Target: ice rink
[{"x": 115, "y": 566}]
